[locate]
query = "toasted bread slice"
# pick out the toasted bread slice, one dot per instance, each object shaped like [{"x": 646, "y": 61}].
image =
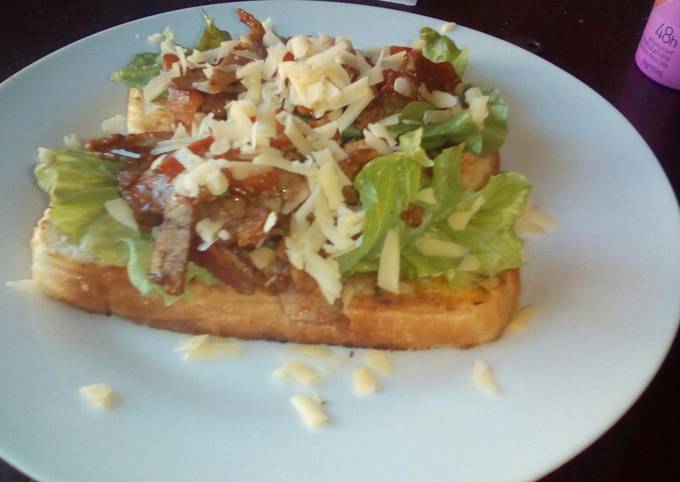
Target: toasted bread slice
[{"x": 432, "y": 314}]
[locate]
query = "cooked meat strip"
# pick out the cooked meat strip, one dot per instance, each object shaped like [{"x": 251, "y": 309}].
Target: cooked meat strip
[
  {"x": 184, "y": 103},
  {"x": 234, "y": 58},
  {"x": 386, "y": 102},
  {"x": 256, "y": 34},
  {"x": 186, "y": 81},
  {"x": 216, "y": 104},
  {"x": 223, "y": 81},
  {"x": 147, "y": 196},
  {"x": 250, "y": 230},
  {"x": 232, "y": 208},
  {"x": 359, "y": 155},
  {"x": 171, "y": 248},
  {"x": 228, "y": 265},
  {"x": 138, "y": 143},
  {"x": 145, "y": 191}
]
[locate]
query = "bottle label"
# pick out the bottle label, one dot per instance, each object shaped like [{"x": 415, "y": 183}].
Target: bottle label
[{"x": 658, "y": 54}]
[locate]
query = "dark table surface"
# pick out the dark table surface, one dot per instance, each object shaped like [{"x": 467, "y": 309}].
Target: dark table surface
[{"x": 595, "y": 40}]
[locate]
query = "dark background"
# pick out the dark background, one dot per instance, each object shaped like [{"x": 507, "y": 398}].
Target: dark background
[{"x": 595, "y": 40}]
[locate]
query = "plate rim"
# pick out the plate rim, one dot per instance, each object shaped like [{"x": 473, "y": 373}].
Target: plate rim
[{"x": 27, "y": 468}]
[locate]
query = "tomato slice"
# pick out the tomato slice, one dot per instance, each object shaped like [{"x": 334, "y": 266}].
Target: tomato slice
[
  {"x": 441, "y": 76},
  {"x": 168, "y": 60},
  {"x": 171, "y": 167},
  {"x": 395, "y": 49},
  {"x": 201, "y": 146}
]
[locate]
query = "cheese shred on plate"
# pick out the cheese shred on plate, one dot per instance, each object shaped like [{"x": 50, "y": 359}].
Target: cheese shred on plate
[
  {"x": 207, "y": 347},
  {"x": 483, "y": 377},
  {"x": 311, "y": 410},
  {"x": 99, "y": 395}
]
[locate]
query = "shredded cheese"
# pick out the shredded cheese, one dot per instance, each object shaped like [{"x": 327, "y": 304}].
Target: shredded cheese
[
  {"x": 446, "y": 27},
  {"x": 28, "y": 286},
  {"x": 208, "y": 347},
  {"x": 483, "y": 377},
  {"x": 440, "y": 248},
  {"x": 326, "y": 273},
  {"x": 207, "y": 230},
  {"x": 364, "y": 381},
  {"x": 459, "y": 220},
  {"x": 204, "y": 174},
  {"x": 119, "y": 210},
  {"x": 157, "y": 85},
  {"x": 99, "y": 395},
  {"x": 310, "y": 409},
  {"x": 115, "y": 125},
  {"x": 298, "y": 372},
  {"x": 403, "y": 86},
  {"x": 270, "y": 221},
  {"x": 427, "y": 196},
  {"x": 388, "y": 266},
  {"x": 470, "y": 262}
]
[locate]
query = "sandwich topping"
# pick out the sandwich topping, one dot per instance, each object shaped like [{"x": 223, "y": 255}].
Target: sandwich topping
[{"x": 293, "y": 165}]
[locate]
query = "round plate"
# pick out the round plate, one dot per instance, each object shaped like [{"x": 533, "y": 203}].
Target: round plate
[{"x": 605, "y": 285}]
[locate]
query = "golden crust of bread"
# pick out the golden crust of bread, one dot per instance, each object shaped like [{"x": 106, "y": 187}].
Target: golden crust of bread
[{"x": 432, "y": 315}]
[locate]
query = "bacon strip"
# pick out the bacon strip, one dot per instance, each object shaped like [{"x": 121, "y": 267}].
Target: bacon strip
[
  {"x": 228, "y": 266},
  {"x": 256, "y": 30}
]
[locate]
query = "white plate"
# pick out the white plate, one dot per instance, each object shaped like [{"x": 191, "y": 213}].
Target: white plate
[{"x": 605, "y": 284}]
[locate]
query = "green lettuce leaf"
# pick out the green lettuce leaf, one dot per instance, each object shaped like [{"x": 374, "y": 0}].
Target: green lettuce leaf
[
  {"x": 386, "y": 185},
  {"x": 460, "y": 128},
  {"x": 446, "y": 183},
  {"x": 429, "y": 266},
  {"x": 212, "y": 36},
  {"x": 490, "y": 233},
  {"x": 389, "y": 183},
  {"x": 440, "y": 48},
  {"x": 414, "y": 111},
  {"x": 142, "y": 68},
  {"x": 79, "y": 184},
  {"x": 352, "y": 133}
]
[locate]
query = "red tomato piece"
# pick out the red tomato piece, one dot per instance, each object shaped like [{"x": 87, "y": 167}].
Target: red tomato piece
[
  {"x": 201, "y": 146},
  {"x": 168, "y": 60},
  {"x": 395, "y": 49},
  {"x": 170, "y": 167}
]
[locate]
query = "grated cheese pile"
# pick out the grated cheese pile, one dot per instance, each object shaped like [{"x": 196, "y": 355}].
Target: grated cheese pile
[{"x": 304, "y": 71}]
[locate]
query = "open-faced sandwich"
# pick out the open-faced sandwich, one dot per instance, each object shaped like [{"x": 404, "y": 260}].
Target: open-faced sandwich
[{"x": 291, "y": 188}]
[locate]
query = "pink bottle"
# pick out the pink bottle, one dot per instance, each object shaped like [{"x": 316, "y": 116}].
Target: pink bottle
[{"x": 658, "y": 54}]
